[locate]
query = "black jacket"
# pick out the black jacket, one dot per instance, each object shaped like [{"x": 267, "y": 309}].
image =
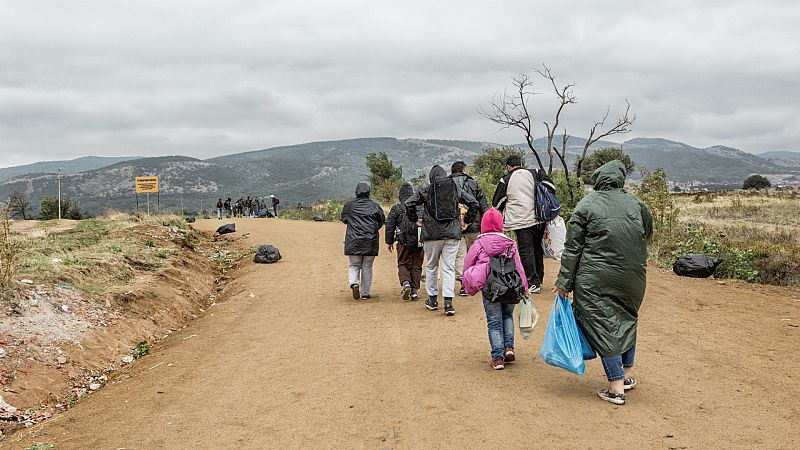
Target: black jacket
[
  {"x": 434, "y": 230},
  {"x": 397, "y": 228},
  {"x": 364, "y": 218},
  {"x": 468, "y": 184}
]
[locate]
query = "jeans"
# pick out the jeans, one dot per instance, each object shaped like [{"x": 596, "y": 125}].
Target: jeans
[
  {"x": 219, "y": 213},
  {"x": 529, "y": 241},
  {"x": 360, "y": 272},
  {"x": 446, "y": 250},
  {"x": 615, "y": 365},
  {"x": 500, "y": 321}
]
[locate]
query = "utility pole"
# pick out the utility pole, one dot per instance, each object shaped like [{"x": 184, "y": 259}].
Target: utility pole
[{"x": 59, "y": 193}]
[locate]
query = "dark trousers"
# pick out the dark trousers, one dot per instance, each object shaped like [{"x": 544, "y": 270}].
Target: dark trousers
[
  {"x": 409, "y": 264},
  {"x": 529, "y": 241}
]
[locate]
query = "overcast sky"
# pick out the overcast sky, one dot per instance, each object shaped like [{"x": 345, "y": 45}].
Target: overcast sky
[{"x": 205, "y": 78}]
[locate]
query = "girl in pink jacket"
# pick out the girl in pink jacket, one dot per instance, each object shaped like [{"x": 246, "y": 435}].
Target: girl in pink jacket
[{"x": 499, "y": 316}]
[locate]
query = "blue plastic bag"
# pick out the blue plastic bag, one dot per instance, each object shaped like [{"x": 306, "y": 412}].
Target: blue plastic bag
[
  {"x": 586, "y": 348},
  {"x": 562, "y": 341}
]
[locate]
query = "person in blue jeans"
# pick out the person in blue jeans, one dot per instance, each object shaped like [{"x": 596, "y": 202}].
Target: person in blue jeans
[
  {"x": 499, "y": 316},
  {"x": 605, "y": 264}
]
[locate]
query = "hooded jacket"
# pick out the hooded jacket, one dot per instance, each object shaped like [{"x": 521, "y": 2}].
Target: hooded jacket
[
  {"x": 434, "y": 230},
  {"x": 364, "y": 217},
  {"x": 491, "y": 242},
  {"x": 397, "y": 227},
  {"x": 468, "y": 184},
  {"x": 605, "y": 261}
]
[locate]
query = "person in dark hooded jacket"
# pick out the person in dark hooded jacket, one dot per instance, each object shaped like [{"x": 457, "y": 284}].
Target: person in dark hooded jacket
[
  {"x": 410, "y": 253},
  {"x": 469, "y": 231},
  {"x": 441, "y": 232},
  {"x": 605, "y": 264},
  {"x": 363, "y": 217}
]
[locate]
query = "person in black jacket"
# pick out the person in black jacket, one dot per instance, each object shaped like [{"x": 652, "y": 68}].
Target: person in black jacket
[
  {"x": 409, "y": 250},
  {"x": 469, "y": 231},
  {"x": 363, "y": 217},
  {"x": 219, "y": 209},
  {"x": 441, "y": 232},
  {"x": 275, "y": 203}
]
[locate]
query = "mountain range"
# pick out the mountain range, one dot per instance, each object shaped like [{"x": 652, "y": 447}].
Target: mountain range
[{"x": 313, "y": 171}]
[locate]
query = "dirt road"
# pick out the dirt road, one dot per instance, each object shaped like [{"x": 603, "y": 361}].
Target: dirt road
[{"x": 290, "y": 360}]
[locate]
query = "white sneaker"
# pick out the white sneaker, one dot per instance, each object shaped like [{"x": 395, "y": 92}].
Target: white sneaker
[{"x": 535, "y": 289}]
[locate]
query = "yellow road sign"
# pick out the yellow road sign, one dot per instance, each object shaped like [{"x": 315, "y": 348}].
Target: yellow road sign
[{"x": 147, "y": 184}]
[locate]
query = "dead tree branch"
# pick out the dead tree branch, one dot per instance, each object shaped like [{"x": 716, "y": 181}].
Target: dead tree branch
[
  {"x": 565, "y": 97},
  {"x": 511, "y": 110}
]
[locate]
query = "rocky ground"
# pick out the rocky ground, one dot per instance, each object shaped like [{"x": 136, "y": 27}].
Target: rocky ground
[{"x": 59, "y": 343}]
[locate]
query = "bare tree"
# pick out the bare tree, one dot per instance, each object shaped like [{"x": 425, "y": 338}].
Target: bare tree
[
  {"x": 565, "y": 97},
  {"x": 511, "y": 110},
  {"x": 621, "y": 127},
  {"x": 18, "y": 204}
]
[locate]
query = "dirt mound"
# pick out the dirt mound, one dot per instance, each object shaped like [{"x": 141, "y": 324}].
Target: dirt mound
[{"x": 60, "y": 342}]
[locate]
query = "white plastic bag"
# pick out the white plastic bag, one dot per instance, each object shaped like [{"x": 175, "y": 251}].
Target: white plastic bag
[
  {"x": 555, "y": 234},
  {"x": 528, "y": 317}
]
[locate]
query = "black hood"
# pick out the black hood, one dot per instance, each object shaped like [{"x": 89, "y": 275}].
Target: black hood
[
  {"x": 437, "y": 173},
  {"x": 406, "y": 191},
  {"x": 362, "y": 190}
]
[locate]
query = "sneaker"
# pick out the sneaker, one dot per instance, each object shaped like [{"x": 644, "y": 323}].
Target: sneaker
[
  {"x": 448, "y": 307},
  {"x": 535, "y": 289},
  {"x": 617, "y": 399},
  {"x": 366, "y": 297},
  {"x": 497, "y": 364},
  {"x": 406, "y": 292},
  {"x": 356, "y": 291},
  {"x": 432, "y": 304},
  {"x": 414, "y": 297},
  {"x": 510, "y": 355},
  {"x": 629, "y": 383},
  {"x": 462, "y": 292}
]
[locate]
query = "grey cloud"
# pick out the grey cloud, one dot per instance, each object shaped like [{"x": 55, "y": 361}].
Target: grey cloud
[{"x": 205, "y": 78}]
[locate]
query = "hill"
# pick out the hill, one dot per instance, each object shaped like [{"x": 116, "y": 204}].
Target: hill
[
  {"x": 780, "y": 155},
  {"x": 299, "y": 173},
  {"x": 716, "y": 164},
  {"x": 304, "y": 173},
  {"x": 68, "y": 166}
]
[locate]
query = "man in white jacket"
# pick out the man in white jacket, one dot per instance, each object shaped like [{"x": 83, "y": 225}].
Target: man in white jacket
[{"x": 515, "y": 197}]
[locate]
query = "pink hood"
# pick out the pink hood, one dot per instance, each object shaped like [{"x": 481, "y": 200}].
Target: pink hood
[
  {"x": 492, "y": 243},
  {"x": 492, "y": 221}
]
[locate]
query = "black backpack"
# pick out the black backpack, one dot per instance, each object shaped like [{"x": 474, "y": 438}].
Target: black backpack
[
  {"x": 504, "y": 283},
  {"x": 444, "y": 200}
]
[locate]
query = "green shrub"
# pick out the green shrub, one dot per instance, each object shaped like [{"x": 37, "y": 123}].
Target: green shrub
[
  {"x": 142, "y": 349},
  {"x": 737, "y": 262}
]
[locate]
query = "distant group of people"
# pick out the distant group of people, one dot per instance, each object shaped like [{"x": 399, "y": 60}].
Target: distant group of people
[
  {"x": 248, "y": 207},
  {"x": 449, "y": 226}
]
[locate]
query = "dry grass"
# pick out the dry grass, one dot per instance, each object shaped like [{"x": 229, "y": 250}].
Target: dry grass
[
  {"x": 97, "y": 255},
  {"x": 759, "y": 229}
]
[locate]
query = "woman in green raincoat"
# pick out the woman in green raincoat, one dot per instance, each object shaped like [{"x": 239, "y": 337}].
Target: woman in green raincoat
[{"x": 605, "y": 264}]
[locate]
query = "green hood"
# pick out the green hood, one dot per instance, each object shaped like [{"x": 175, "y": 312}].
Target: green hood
[{"x": 610, "y": 175}]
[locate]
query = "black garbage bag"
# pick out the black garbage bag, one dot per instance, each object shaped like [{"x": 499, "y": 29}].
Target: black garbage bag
[
  {"x": 695, "y": 265},
  {"x": 267, "y": 254},
  {"x": 227, "y": 228},
  {"x": 318, "y": 219},
  {"x": 191, "y": 219}
]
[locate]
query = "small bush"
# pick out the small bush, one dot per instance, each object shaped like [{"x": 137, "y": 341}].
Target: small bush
[
  {"x": 9, "y": 250},
  {"x": 142, "y": 349}
]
